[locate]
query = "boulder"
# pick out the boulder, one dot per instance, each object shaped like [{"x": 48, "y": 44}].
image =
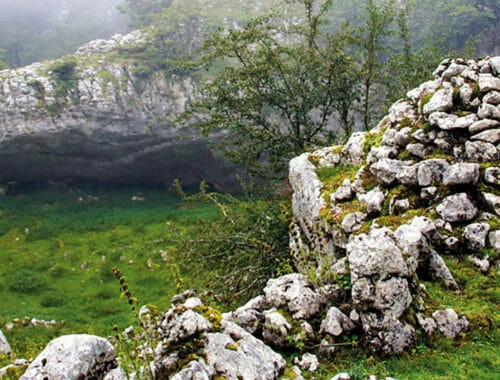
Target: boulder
[
  {"x": 475, "y": 235},
  {"x": 373, "y": 200},
  {"x": 335, "y": 323},
  {"x": 462, "y": 173},
  {"x": 449, "y": 323},
  {"x": 457, "y": 208},
  {"x": 4, "y": 344},
  {"x": 441, "y": 101},
  {"x": 73, "y": 357}
]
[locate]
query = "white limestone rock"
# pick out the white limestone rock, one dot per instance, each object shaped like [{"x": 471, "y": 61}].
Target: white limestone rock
[
  {"x": 4, "y": 344},
  {"x": 353, "y": 151},
  {"x": 308, "y": 362},
  {"x": 475, "y": 235},
  {"x": 492, "y": 175},
  {"x": 73, "y": 357},
  {"x": 494, "y": 240},
  {"x": 449, "y": 323},
  {"x": 493, "y": 201},
  {"x": 386, "y": 170},
  {"x": 431, "y": 171},
  {"x": 441, "y": 101},
  {"x": 457, "y": 208},
  {"x": 483, "y": 264},
  {"x": 487, "y": 82},
  {"x": 376, "y": 253},
  {"x": 462, "y": 173},
  {"x": 336, "y": 323},
  {"x": 236, "y": 354},
  {"x": 480, "y": 151},
  {"x": 483, "y": 125},
  {"x": 491, "y": 136},
  {"x": 373, "y": 200}
]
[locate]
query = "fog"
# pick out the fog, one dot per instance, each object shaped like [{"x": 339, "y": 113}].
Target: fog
[{"x": 32, "y": 30}]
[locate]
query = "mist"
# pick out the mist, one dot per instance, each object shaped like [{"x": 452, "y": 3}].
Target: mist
[{"x": 34, "y": 30}]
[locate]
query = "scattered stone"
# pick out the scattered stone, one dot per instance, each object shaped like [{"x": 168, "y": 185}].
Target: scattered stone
[
  {"x": 457, "y": 208},
  {"x": 336, "y": 323},
  {"x": 475, "y": 235},
  {"x": 407, "y": 175},
  {"x": 492, "y": 97},
  {"x": 398, "y": 206},
  {"x": 449, "y": 323},
  {"x": 418, "y": 150},
  {"x": 427, "y": 324},
  {"x": 494, "y": 239},
  {"x": 373, "y": 200},
  {"x": 483, "y": 264},
  {"x": 493, "y": 201},
  {"x": 387, "y": 335},
  {"x": 492, "y": 175},
  {"x": 487, "y": 82},
  {"x": 4, "y": 344},
  {"x": 308, "y": 362},
  {"x": 73, "y": 357},
  {"x": 276, "y": 328},
  {"x": 343, "y": 192},
  {"x": 429, "y": 192}
]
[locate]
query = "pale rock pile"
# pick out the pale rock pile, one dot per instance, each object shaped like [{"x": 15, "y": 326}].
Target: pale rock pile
[{"x": 426, "y": 183}]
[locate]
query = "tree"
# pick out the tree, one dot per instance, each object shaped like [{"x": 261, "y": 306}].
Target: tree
[
  {"x": 276, "y": 88},
  {"x": 3, "y": 65}
]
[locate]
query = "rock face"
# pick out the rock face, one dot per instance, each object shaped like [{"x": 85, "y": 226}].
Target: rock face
[
  {"x": 91, "y": 116},
  {"x": 419, "y": 186},
  {"x": 73, "y": 357}
]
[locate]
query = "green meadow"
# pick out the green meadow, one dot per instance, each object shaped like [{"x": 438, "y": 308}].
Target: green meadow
[{"x": 58, "y": 248}]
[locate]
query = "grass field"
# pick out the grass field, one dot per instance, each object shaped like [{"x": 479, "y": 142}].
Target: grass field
[{"x": 58, "y": 248}]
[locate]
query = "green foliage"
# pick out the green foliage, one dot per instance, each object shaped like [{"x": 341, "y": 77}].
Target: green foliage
[
  {"x": 141, "y": 12},
  {"x": 276, "y": 98},
  {"x": 250, "y": 234},
  {"x": 26, "y": 281}
]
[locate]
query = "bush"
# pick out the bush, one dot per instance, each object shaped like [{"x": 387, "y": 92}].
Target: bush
[
  {"x": 26, "y": 281},
  {"x": 52, "y": 300},
  {"x": 236, "y": 254}
]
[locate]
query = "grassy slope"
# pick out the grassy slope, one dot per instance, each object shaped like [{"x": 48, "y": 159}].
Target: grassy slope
[{"x": 58, "y": 251}]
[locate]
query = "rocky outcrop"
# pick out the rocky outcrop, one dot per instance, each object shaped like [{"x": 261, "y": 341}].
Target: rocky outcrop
[
  {"x": 73, "y": 357},
  {"x": 94, "y": 116},
  {"x": 394, "y": 201}
]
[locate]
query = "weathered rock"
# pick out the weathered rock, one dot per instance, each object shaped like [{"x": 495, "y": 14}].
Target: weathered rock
[
  {"x": 475, "y": 235},
  {"x": 494, "y": 240},
  {"x": 4, "y": 344},
  {"x": 427, "y": 324},
  {"x": 492, "y": 97},
  {"x": 457, "y": 208},
  {"x": 392, "y": 297},
  {"x": 415, "y": 244},
  {"x": 353, "y": 222},
  {"x": 336, "y": 323},
  {"x": 184, "y": 325},
  {"x": 193, "y": 371},
  {"x": 431, "y": 171},
  {"x": 483, "y": 125},
  {"x": 373, "y": 200},
  {"x": 493, "y": 201},
  {"x": 307, "y": 304},
  {"x": 427, "y": 227},
  {"x": 343, "y": 193},
  {"x": 341, "y": 376},
  {"x": 353, "y": 151},
  {"x": 483, "y": 264},
  {"x": 462, "y": 173},
  {"x": 73, "y": 357},
  {"x": 385, "y": 170},
  {"x": 419, "y": 150},
  {"x": 276, "y": 329},
  {"x": 308, "y": 362},
  {"x": 286, "y": 288},
  {"x": 491, "y": 135},
  {"x": 449, "y": 323},
  {"x": 487, "y": 82},
  {"x": 407, "y": 175},
  {"x": 439, "y": 271},
  {"x": 480, "y": 151},
  {"x": 106, "y": 125},
  {"x": 492, "y": 175},
  {"x": 387, "y": 335},
  {"x": 377, "y": 253},
  {"x": 236, "y": 354},
  {"x": 442, "y": 101}
]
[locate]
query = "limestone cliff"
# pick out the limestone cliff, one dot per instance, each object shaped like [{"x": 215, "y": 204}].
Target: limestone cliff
[{"x": 91, "y": 116}]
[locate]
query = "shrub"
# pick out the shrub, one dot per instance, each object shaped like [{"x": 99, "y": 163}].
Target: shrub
[{"x": 26, "y": 281}]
